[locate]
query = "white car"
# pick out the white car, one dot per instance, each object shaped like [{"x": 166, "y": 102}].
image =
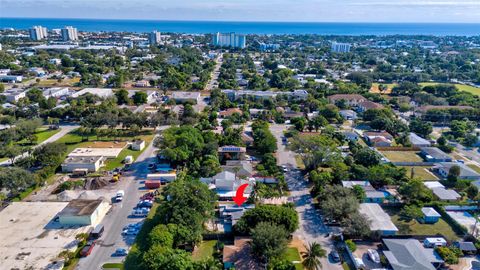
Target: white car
[{"x": 373, "y": 255}]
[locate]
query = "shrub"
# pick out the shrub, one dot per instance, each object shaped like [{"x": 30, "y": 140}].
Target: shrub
[{"x": 351, "y": 245}]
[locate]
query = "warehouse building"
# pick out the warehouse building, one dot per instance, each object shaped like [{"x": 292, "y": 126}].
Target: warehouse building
[{"x": 83, "y": 212}]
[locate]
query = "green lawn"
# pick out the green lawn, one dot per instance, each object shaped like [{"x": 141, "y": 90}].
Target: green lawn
[
  {"x": 73, "y": 141},
  {"x": 420, "y": 172},
  {"x": 415, "y": 228},
  {"x": 113, "y": 266},
  {"x": 204, "y": 250},
  {"x": 292, "y": 255},
  {"x": 402, "y": 156},
  {"x": 118, "y": 162},
  {"x": 474, "y": 167},
  {"x": 44, "y": 134},
  {"x": 460, "y": 87}
]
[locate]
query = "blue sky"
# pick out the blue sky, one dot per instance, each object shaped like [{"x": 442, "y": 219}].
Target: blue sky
[{"x": 251, "y": 10}]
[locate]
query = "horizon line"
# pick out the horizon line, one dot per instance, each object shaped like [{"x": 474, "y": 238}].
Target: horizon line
[{"x": 238, "y": 21}]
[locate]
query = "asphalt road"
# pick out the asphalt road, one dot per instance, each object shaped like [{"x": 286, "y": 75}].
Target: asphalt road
[
  {"x": 64, "y": 129},
  {"x": 311, "y": 227},
  {"x": 118, "y": 217}
]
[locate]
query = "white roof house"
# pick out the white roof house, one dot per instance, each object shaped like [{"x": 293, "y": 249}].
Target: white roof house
[
  {"x": 441, "y": 192},
  {"x": 379, "y": 220},
  {"x": 101, "y": 92},
  {"x": 418, "y": 141}
]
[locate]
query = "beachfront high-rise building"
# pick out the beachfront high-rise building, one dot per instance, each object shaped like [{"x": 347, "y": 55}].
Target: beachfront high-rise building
[
  {"x": 154, "y": 37},
  {"x": 229, "y": 40},
  {"x": 341, "y": 47},
  {"x": 69, "y": 33},
  {"x": 38, "y": 32}
]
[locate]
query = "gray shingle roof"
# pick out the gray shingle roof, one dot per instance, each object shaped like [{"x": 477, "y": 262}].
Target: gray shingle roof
[{"x": 408, "y": 254}]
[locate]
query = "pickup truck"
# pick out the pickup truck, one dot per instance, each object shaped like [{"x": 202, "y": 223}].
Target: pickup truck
[{"x": 87, "y": 249}]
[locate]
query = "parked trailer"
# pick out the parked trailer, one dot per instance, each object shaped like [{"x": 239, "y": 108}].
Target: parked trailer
[
  {"x": 152, "y": 184},
  {"x": 163, "y": 177}
]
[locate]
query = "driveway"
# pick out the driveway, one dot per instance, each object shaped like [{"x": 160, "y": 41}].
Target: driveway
[{"x": 311, "y": 227}]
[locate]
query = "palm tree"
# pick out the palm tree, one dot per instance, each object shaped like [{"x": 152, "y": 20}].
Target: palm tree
[{"x": 311, "y": 257}]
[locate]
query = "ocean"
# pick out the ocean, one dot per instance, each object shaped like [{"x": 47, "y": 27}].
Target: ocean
[{"x": 200, "y": 27}]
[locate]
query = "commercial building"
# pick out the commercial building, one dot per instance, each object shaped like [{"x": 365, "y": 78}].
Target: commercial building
[
  {"x": 83, "y": 212},
  {"x": 233, "y": 95},
  {"x": 101, "y": 92},
  {"x": 340, "y": 47},
  {"x": 11, "y": 78},
  {"x": 269, "y": 47},
  {"x": 56, "y": 92},
  {"x": 31, "y": 238},
  {"x": 229, "y": 40},
  {"x": 38, "y": 32},
  {"x": 182, "y": 97},
  {"x": 231, "y": 152},
  {"x": 379, "y": 220},
  {"x": 14, "y": 94},
  {"x": 75, "y": 163},
  {"x": 154, "y": 37},
  {"x": 69, "y": 33}
]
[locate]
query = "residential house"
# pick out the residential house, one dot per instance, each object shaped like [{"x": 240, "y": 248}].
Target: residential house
[
  {"x": 239, "y": 255},
  {"x": 433, "y": 154},
  {"x": 231, "y": 213},
  {"x": 14, "y": 94},
  {"x": 466, "y": 173},
  {"x": 350, "y": 99},
  {"x": 351, "y": 136},
  {"x": 348, "y": 114},
  {"x": 379, "y": 220},
  {"x": 226, "y": 184},
  {"x": 371, "y": 194},
  {"x": 378, "y": 139},
  {"x": 468, "y": 248},
  {"x": 430, "y": 216},
  {"x": 418, "y": 141},
  {"x": 231, "y": 152},
  {"x": 229, "y": 112},
  {"x": 441, "y": 192},
  {"x": 241, "y": 168},
  {"x": 247, "y": 138},
  {"x": 368, "y": 105},
  {"x": 408, "y": 254}
]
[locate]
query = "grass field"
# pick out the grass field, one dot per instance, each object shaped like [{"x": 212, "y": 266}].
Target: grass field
[
  {"x": 292, "y": 255},
  {"x": 53, "y": 82},
  {"x": 474, "y": 167},
  {"x": 113, "y": 266},
  {"x": 204, "y": 250},
  {"x": 461, "y": 87},
  {"x": 375, "y": 88},
  {"x": 73, "y": 141},
  {"x": 420, "y": 172},
  {"x": 402, "y": 156},
  {"x": 413, "y": 227}
]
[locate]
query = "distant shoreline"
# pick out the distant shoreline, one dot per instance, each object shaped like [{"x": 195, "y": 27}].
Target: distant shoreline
[{"x": 202, "y": 27}]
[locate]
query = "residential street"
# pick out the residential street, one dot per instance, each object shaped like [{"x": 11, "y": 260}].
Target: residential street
[
  {"x": 216, "y": 72},
  {"x": 118, "y": 217},
  {"x": 312, "y": 228},
  {"x": 64, "y": 129}
]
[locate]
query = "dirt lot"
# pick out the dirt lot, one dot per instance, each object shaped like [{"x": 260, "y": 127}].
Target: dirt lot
[{"x": 99, "y": 144}]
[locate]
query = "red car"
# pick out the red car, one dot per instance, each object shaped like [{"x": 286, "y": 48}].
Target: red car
[{"x": 87, "y": 249}]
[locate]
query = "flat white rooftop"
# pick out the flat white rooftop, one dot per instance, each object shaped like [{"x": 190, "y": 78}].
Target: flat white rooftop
[
  {"x": 29, "y": 237},
  {"x": 379, "y": 220},
  {"x": 96, "y": 152}
]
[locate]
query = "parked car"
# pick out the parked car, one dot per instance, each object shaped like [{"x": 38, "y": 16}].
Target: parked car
[
  {"x": 373, "y": 255},
  {"x": 120, "y": 252},
  {"x": 87, "y": 249},
  {"x": 335, "y": 256}
]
